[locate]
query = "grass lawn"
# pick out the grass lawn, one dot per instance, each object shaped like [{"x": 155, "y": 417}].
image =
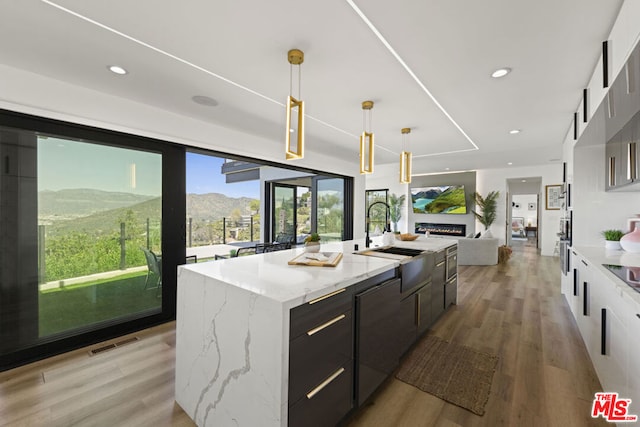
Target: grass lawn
[{"x": 86, "y": 303}]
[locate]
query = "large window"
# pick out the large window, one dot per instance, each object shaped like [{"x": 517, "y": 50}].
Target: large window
[
  {"x": 93, "y": 226},
  {"x": 330, "y": 208},
  {"x": 378, "y": 216},
  {"x": 99, "y": 233},
  {"x": 90, "y": 235}
]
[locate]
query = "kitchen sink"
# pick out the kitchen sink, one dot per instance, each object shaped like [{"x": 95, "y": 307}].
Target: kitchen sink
[
  {"x": 392, "y": 252},
  {"x": 395, "y": 250}
]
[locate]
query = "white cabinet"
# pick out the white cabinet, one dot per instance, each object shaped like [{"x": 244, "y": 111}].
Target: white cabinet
[
  {"x": 609, "y": 321},
  {"x": 633, "y": 354}
]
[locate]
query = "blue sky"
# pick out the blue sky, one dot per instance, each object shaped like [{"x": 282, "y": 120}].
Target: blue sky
[
  {"x": 204, "y": 176},
  {"x": 67, "y": 164}
]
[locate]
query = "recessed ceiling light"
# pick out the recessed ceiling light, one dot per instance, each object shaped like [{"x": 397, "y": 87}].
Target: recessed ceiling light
[
  {"x": 514, "y": 131},
  {"x": 510, "y": 163},
  {"x": 500, "y": 72},
  {"x": 207, "y": 101},
  {"x": 447, "y": 169},
  {"x": 117, "y": 70},
  {"x": 524, "y": 180}
]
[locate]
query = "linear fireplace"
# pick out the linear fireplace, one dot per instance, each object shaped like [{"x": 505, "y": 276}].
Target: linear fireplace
[{"x": 456, "y": 230}]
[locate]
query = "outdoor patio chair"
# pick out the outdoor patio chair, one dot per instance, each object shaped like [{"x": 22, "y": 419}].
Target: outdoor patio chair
[{"x": 154, "y": 265}]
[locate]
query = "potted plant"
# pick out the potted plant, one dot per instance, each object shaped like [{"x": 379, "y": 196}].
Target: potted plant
[
  {"x": 395, "y": 210},
  {"x": 612, "y": 239},
  {"x": 312, "y": 243},
  {"x": 488, "y": 205}
]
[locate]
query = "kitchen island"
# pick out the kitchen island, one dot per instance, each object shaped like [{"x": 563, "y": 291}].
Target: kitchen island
[{"x": 233, "y": 328}]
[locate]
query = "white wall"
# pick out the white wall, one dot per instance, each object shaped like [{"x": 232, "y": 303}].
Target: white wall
[
  {"x": 523, "y": 211},
  {"x": 496, "y": 179},
  {"x": 387, "y": 176}
]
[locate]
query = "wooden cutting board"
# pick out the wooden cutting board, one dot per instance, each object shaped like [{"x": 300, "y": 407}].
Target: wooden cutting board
[{"x": 333, "y": 258}]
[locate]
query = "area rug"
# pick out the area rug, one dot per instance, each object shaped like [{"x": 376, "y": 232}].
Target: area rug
[{"x": 452, "y": 372}]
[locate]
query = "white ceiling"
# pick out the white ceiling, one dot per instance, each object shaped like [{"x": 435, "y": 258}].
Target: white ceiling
[{"x": 235, "y": 52}]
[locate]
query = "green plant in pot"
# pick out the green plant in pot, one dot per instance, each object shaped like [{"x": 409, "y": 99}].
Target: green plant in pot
[
  {"x": 488, "y": 205},
  {"x": 395, "y": 210},
  {"x": 312, "y": 243},
  {"x": 612, "y": 239}
]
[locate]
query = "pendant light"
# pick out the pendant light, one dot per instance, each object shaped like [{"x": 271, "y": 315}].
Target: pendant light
[
  {"x": 405, "y": 158},
  {"x": 366, "y": 139},
  {"x": 295, "y": 111}
]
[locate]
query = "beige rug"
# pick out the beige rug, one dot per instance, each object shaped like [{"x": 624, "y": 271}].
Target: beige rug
[{"x": 455, "y": 373}]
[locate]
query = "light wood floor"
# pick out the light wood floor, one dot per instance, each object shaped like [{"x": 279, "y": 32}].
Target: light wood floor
[{"x": 544, "y": 376}]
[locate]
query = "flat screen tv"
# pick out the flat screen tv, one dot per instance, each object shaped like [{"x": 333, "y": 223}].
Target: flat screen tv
[{"x": 443, "y": 199}]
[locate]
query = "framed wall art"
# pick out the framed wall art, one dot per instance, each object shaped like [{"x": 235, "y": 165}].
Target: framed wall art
[{"x": 553, "y": 197}]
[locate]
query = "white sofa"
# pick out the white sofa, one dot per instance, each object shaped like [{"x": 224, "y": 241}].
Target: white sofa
[
  {"x": 477, "y": 251},
  {"x": 481, "y": 251}
]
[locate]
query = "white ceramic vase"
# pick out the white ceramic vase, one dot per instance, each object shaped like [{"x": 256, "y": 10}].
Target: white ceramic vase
[
  {"x": 630, "y": 242},
  {"x": 312, "y": 247}
]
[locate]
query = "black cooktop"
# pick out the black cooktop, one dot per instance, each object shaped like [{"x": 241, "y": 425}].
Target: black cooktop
[{"x": 629, "y": 275}]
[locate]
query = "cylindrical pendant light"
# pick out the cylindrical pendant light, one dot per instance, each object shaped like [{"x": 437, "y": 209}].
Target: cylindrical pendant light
[
  {"x": 366, "y": 139},
  {"x": 295, "y": 111},
  {"x": 405, "y": 158}
]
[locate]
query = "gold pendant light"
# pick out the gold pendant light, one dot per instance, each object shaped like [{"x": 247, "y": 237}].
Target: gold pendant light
[
  {"x": 366, "y": 139},
  {"x": 295, "y": 111},
  {"x": 405, "y": 158}
]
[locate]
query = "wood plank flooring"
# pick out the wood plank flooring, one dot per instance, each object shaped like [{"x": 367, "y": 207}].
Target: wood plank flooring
[{"x": 544, "y": 376}]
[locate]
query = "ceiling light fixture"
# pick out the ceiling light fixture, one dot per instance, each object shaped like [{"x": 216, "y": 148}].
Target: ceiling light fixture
[
  {"x": 510, "y": 163},
  {"x": 413, "y": 76},
  {"x": 514, "y": 131},
  {"x": 366, "y": 139},
  {"x": 500, "y": 72},
  {"x": 295, "y": 109},
  {"x": 405, "y": 158},
  {"x": 117, "y": 70}
]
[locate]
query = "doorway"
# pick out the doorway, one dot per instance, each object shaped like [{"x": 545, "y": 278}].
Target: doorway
[{"x": 523, "y": 212}]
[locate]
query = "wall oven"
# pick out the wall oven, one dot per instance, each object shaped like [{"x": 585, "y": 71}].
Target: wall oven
[
  {"x": 564, "y": 256},
  {"x": 451, "y": 262}
]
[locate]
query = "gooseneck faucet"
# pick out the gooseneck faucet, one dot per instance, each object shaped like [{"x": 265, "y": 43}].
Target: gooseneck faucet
[{"x": 387, "y": 213}]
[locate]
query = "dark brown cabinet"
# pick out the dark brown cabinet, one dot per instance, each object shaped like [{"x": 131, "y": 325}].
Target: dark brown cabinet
[
  {"x": 377, "y": 350},
  {"x": 321, "y": 360}
]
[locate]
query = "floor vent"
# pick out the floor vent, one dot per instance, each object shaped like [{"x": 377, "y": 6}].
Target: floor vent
[{"x": 112, "y": 346}]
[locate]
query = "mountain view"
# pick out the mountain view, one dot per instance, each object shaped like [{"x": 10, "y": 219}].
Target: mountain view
[{"x": 87, "y": 209}]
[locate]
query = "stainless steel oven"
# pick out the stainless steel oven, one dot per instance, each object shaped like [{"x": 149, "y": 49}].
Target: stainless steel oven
[{"x": 452, "y": 262}]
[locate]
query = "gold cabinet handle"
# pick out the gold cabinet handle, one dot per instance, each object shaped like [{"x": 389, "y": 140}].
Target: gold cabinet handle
[
  {"x": 326, "y": 325},
  {"x": 327, "y": 296},
  {"x": 325, "y": 383},
  {"x": 440, "y": 264}
]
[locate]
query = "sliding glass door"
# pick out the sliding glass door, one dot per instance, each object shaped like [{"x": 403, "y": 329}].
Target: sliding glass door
[{"x": 99, "y": 233}]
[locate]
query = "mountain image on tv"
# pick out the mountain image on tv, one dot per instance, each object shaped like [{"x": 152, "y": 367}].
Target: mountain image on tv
[{"x": 446, "y": 199}]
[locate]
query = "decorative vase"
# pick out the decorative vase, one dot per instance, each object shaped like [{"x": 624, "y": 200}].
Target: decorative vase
[
  {"x": 312, "y": 247},
  {"x": 612, "y": 245},
  {"x": 630, "y": 242}
]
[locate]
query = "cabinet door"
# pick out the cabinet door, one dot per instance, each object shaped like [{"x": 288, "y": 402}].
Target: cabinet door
[
  {"x": 377, "y": 332},
  {"x": 613, "y": 162},
  {"x": 407, "y": 325},
  {"x": 633, "y": 355},
  {"x": 624, "y": 170},
  {"x": 426, "y": 312},
  {"x": 612, "y": 363},
  {"x": 451, "y": 292}
]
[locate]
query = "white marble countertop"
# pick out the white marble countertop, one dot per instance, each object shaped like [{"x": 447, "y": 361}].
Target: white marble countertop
[
  {"x": 269, "y": 275},
  {"x": 597, "y": 256}
]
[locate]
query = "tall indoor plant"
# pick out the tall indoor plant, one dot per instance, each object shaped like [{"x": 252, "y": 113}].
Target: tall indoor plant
[
  {"x": 395, "y": 209},
  {"x": 488, "y": 205}
]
